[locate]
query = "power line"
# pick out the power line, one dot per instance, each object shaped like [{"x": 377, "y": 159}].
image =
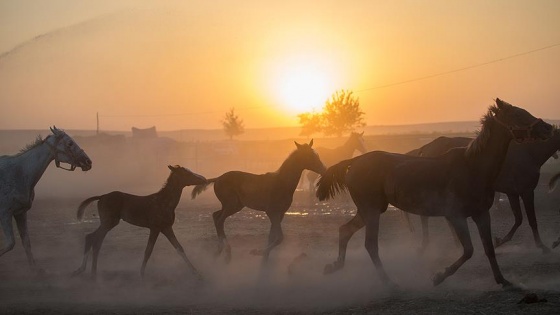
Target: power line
[{"x": 459, "y": 69}]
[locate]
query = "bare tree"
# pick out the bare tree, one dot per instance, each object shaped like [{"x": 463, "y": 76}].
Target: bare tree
[{"x": 233, "y": 125}]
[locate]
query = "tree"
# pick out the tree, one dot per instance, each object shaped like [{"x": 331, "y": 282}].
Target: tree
[
  {"x": 310, "y": 123},
  {"x": 233, "y": 125},
  {"x": 341, "y": 114}
]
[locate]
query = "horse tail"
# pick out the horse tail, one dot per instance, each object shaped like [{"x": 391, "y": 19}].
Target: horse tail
[
  {"x": 552, "y": 182},
  {"x": 83, "y": 206},
  {"x": 198, "y": 189},
  {"x": 333, "y": 180}
]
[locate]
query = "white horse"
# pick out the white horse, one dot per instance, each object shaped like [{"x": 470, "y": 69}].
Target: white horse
[{"x": 20, "y": 173}]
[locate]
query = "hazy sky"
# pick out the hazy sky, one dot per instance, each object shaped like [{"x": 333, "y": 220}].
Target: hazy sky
[{"x": 183, "y": 64}]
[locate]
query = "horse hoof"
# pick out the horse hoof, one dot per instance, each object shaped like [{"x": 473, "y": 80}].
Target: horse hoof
[
  {"x": 555, "y": 244},
  {"x": 438, "y": 278},
  {"x": 331, "y": 268}
]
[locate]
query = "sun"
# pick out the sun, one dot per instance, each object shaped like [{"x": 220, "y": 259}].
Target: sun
[{"x": 302, "y": 86}]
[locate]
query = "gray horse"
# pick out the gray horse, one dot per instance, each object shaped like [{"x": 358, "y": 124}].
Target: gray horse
[{"x": 20, "y": 173}]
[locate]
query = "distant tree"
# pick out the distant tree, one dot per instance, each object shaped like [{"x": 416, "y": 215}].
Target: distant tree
[
  {"x": 310, "y": 123},
  {"x": 233, "y": 125},
  {"x": 342, "y": 114}
]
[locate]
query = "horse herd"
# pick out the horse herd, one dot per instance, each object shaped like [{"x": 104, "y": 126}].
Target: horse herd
[{"x": 455, "y": 178}]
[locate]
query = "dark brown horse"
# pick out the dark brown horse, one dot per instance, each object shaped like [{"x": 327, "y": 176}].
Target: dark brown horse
[
  {"x": 518, "y": 178},
  {"x": 331, "y": 156},
  {"x": 155, "y": 211},
  {"x": 270, "y": 192},
  {"x": 456, "y": 185}
]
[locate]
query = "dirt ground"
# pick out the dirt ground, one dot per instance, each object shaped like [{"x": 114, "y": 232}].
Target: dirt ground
[{"x": 245, "y": 286}]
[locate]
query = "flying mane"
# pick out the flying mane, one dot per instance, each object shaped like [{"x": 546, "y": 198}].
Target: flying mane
[
  {"x": 481, "y": 140},
  {"x": 38, "y": 141}
]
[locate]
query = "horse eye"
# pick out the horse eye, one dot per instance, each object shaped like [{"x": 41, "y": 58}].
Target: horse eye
[{"x": 70, "y": 144}]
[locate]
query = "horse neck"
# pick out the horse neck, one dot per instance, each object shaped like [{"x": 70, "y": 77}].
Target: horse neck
[
  {"x": 171, "y": 188},
  {"x": 34, "y": 162},
  {"x": 541, "y": 151},
  {"x": 487, "y": 162},
  {"x": 347, "y": 149},
  {"x": 290, "y": 171}
]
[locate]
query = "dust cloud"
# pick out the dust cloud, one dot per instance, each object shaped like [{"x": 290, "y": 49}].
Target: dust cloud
[{"x": 291, "y": 281}]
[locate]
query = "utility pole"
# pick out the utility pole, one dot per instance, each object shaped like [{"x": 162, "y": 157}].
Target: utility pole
[{"x": 97, "y": 133}]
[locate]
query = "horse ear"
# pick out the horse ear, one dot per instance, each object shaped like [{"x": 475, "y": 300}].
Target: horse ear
[
  {"x": 170, "y": 167},
  {"x": 297, "y": 145},
  {"x": 311, "y": 143}
]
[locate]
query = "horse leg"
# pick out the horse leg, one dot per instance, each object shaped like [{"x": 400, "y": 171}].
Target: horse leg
[
  {"x": 21, "y": 221},
  {"x": 425, "y": 234},
  {"x": 149, "y": 248},
  {"x": 462, "y": 230},
  {"x": 529, "y": 203},
  {"x": 345, "y": 233},
  {"x": 483, "y": 224},
  {"x": 275, "y": 236},
  {"x": 87, "y": 250},
  {"x": 6, "y": 221},
  {"x": 219, "y": 224},
  {"x": 516, "y": 208},
  {"x": 371, "y": 220},
  {"x": 98, "y": 238},
  {"x": 219, "y": 220},
  {"x": 168, "y": 232}
]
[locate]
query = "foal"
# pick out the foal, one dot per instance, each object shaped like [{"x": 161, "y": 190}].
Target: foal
[{"x": 155, "y": 211}]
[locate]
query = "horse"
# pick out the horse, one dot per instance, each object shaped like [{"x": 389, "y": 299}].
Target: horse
[
  {"x": 456, "y": 185},
  {"x": 331, "y": 156},
  {"x": 518, "y": 178},
  {"x": 20, "y": 173},
  {"x": 551, "y": 186},
  {"x": 271, "y": 193},
  {"x": 155, "y": 212}
]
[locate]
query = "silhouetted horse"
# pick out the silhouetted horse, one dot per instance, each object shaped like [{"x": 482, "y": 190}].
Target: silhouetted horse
[
  {"x": 551, "y": 186},
  {"x": 270, "y": 192},
  {"x": 155, "y": 211},
  {"x": 457, "y": 185},
  {"x": 21, "y": 172},
  {"x": 518, "y": 178},
  {"x": 331, "y": 156}
]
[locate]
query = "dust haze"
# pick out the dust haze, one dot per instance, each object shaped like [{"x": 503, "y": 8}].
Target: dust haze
[{"x": 293, "y": 279}]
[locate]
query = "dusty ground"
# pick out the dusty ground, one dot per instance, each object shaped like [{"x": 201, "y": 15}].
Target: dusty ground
[{"x": 247, "y": 287}]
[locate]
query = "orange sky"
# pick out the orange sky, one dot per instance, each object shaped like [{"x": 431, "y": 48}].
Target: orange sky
[{"x": 183, "y": 64}]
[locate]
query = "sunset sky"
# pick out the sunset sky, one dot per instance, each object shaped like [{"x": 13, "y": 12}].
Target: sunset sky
[{"x": 183, "y": 64}]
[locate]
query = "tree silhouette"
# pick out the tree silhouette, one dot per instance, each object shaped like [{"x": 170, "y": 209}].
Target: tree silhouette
[
  {"x": 233, "y": 125},
  {"x": 341, "y": 114}
]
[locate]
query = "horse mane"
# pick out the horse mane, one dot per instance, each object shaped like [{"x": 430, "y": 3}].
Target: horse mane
[
  {"x": 38, "y": 141},
  {"x": 482, "y": 135}
]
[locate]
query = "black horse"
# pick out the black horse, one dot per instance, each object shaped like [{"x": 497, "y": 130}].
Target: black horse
[{"x": 456, "y": 185}]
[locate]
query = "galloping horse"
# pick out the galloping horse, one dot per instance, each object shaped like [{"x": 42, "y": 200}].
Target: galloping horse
[
  {"x": 518, "y": 178},
  {"x": 456, "y": 185},
  {"x": 331, "y": 156},
  {"x": 155, "y": 211},
  {"x": 270, "y": 192},
  {"x": 21, "y": 172}
]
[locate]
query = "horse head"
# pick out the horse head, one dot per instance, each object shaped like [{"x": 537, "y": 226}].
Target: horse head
[
  {"x": 522, "y": 126},
  {"x": 66, "y": 150},
  {"x": 357, "y": 141},
  {"x": 185, "y": 176},
  {"x": 308, "y": 158}
]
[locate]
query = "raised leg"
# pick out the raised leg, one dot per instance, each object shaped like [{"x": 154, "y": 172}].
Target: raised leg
[
  {"x": 168, "y": 232},
  {"x": 516, "y": 209},
  {"x": 483, "y": 224},
  {"x": 345, "y": 233},
  {"x": 149, "y": 248},
  {"x": 462, "y": 230},
  {"x": 6, "y": 221},
  {"x": 529, "y": 203}
]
